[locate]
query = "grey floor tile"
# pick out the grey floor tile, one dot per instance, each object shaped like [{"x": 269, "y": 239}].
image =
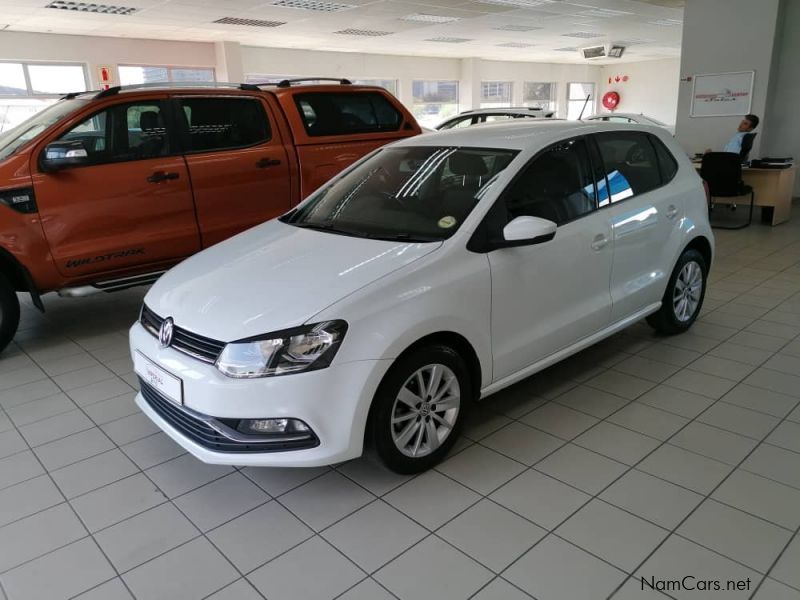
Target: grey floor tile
[
  {"x": 370, "y": 473},
  {"x": 22, "y": 376},
  {"x": 92, "y": 473},
  {"x": 36, "y": 410},
  {"x": 325, "y": 500},
  {"x": 97, "y": 392},
  {"x": 73, "y": 448},
  {"x": 612, "y": 534},
  {"x": 60, "y": 574},
  {"x": 483, "y": 421},
  {"x": 635, "y": 589},
  {"x": 112, "y": 409},
  {"x": 368, "y": 589},
  {"x": 500, "y": 589},
  {"x": 286, "y": 577},
  {"x": 700, "y": 383},
  {"x": 220, "y": 501},
  {"x": 647, "y": 368},
  {"x": 721, "y": 445},
  {"x": 775, "y": 463},
  {"x": 428, "y": 560},
  {"x": 743, "y": 354},
  {"x": 540, "y": 498},
  {"x": 184, "y": 474},
  {"x": 129, "y": 429},
  {"x": 775, "y": 381},
  {"x": 774, "y": 590},
  {"x": 480, "y": 469},
  {"x": 675, "y": 401},
  {"x": 374, "y": 535},
  {"x": 491, "y": 534},
  {"x": 65, "y": 364},
  {"x": 672, "y": 355},
  {"x": 117, "y": 501},
  {"x": 259, "y": 536},
  {"x": 654, "y": 499},
  {"x": 555, "y": 568},
  {"x": 11, "y": 442},
  {"x": 784, "y": 363},
  {"x": 27, "y": 393},
  {"x": 786, "y": 569},
  {"x": 739, "y": 420},
  {"x": 559, "y": 420},
  {"x": 722, "y": 367},
  {"x": 758, "y": 341},
  {"x": 193, "y": 570},
  {"x": 111, "y": 590},
  {"x": 691, "y": 341},
  {"x": 82, "y": 377},
  {"x": 650, "y": 421},
  {"x": 19, "y": 467},
  {"x": 27, "y": 498},
  {"x": 626, "y": 386},
  {"x": 618, "y": 443},
  {"x": 678, "y": 555},
  {"x": 770, "y": 500},
  {"x": 581, "y": 468},
  {"x": 144, "y": 536},
  {"x": 279, "y": 481},
  {"x": 153, "y": 450},
  {"x": 522, "y": 443},
  {"x": 786, "y": 435},
  {"x": 38, "y": 534},
  {"x": 592, "y": 401},
  {"x": 780, "y": 330},
  {"x": 685, "y": 468},
  {"x": 735, "y": 534},
  {"x": 54, "y": 428},
  {"x": 761, "y": 400},
  {"x": 238, "y": 590},
  {"x": 431, "y": 499}
]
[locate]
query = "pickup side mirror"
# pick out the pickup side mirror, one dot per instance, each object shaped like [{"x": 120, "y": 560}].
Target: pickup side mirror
[
  {"x": 62, "y": 155},
  {"x": 526, "y": 231}
]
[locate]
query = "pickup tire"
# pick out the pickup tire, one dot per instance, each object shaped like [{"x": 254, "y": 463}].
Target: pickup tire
[{"x": 9, "y": 312}]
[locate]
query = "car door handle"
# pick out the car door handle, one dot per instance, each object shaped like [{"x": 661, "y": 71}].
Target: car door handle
[
  {"x": 267, "y": 162},
  {"x": 599, "y": 242},
  {"x": 160, "y": 176},
  {"x": 672, "y": 211}
]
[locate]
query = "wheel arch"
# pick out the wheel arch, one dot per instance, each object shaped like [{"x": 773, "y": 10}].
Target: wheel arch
[
  {"x": 19, "y": 277},
  {"x": 703, "y": 246}
]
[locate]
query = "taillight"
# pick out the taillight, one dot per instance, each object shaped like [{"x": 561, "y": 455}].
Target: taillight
[{"x": 707, "y": 191}]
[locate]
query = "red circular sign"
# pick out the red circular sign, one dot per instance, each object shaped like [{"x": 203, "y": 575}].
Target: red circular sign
[{"x": 610, "y": 100}]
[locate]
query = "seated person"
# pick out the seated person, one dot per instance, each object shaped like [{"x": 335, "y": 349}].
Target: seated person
[{"x": 747, "y": 125}]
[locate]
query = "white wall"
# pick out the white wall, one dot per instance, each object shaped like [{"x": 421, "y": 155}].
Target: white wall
[
  {"x": 722, "y": 36},
  {"x": 651, "y": 89}
]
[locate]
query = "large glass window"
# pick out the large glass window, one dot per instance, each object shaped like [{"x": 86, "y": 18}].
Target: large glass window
[
  {"x": 539, "y": 94},
  {"x": 26, "y": 88},
  {"x": 390, "y": 85},
  {"x": 220, "y": 123},
  {"x": 576, "y": 99},
  {"x": 496, "y": 94},
  {"x": 138, "y": 74},
  {"x": 558, "y": 185},
  {"x": 434, "y": 101},
  {"x": 405, "y": 194},
  {"x": 344, "y": 113},
  {"x": 630, "y": 163}
]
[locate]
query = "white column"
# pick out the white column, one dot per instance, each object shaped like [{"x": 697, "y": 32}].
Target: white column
[{"x": 229, "y": 61}]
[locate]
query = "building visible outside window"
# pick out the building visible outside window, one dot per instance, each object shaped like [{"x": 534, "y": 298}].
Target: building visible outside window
[
  {"x": 26, "y": 88},
  {"x": 539, "y": 94},
  {"x": 390, "y": 85},
  {"x": 496, "y": 94},
  {"x": 434, "y": 101},
  {"x": 576, "y": 98},
  {"x": 138, "y": 74}
]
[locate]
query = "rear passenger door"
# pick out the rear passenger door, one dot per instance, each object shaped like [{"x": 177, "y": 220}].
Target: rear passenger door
[
  {"x": 645, "y": 217},
  {"x": 237, "y": 162}
]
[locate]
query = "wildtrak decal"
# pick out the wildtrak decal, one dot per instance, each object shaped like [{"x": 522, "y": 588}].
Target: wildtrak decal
[{"x": 80, "y": 262}]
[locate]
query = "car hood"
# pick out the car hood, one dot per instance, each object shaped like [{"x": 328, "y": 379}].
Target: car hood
[{"x": 272, "y": 277}]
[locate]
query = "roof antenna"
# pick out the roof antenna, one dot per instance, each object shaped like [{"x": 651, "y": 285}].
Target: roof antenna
[{"x": 580, "y": 116}]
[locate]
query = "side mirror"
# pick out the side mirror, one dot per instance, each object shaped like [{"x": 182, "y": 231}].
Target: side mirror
[
  {"x": 526, "y": 231},
  {"x": 61, "y": 155}
]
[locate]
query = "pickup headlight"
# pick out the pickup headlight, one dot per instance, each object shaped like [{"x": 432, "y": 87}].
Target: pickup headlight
[{"x": 304, "y": 348}]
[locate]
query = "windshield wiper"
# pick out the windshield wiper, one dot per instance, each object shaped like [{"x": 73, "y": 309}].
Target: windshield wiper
[
  {"x": 402, "y": 237},
  {"x": 328, "y": 228}
]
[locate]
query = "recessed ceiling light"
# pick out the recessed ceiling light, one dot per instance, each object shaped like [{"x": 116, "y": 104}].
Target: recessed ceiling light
[
  {"x": 512, "y": 27},
  {"x": 583, "y": 34},
  {"x": 317, "y": 5},
  {"x": 249, "y": 22},
  {"x": 666, "y": 22},
  {"x": 448, "y": 40},
  {"x": 106, "y": 9},
  {"x": 515, "y": 45},
  {"x": 363, "y": 32},
  {"x": 425, "y": 18}
]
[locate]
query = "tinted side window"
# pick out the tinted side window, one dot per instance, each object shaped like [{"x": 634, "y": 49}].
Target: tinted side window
[
  {"x": 123, "y": 132},
  {"x": 344, "y": 113},
  {"x": 557, "y": 185},
  {"x": 666, "y": 162},
  {"x": 222, "y": 123},
  {"x": 630, "y": 163}
]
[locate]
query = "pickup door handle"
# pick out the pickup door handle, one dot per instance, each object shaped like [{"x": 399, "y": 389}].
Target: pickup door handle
[
  {"x": 672, "y": 211},
  {"x": 599, "y": 242},
  {"x": 267, "y": 162},
  {"x": 160, "y": 176}
]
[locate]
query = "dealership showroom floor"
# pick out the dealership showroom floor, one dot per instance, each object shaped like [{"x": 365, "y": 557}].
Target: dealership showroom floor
[{"x": 643, "y": 456}]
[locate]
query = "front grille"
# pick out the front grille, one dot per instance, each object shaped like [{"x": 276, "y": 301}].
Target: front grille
[
  {"x": 196, "y": 346},
  {"x": 199, "y": 431}
]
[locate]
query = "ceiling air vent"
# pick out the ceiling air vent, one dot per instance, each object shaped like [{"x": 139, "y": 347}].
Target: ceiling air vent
[
  {"x": 594, "y": 52},
  {"x": 514, "y": 45},
  {"x": 448, "y": 40},
  {"x": 513, "y": 27},
  {"x": 567, "y": 49},
  {"x": 616, "y": 51},
  {"x": 425, "y": 18},
  {"x": 105, "y": 9},
  {"x": 316, "y": 5},
  {"x": 363, "y": 32},
  {"x": 249, "y": 22},
  {"x": 583, "y": 34}
]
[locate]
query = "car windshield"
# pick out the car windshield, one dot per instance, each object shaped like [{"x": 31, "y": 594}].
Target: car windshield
[
  {"x": 30, "y": 128},
  {"x": 417, "y": 194}
]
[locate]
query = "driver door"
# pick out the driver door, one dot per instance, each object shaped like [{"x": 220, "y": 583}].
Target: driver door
[{"x": 548, "y": 296}]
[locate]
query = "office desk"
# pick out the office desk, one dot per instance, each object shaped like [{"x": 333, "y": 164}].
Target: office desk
[{"x": 773, "y": 189}]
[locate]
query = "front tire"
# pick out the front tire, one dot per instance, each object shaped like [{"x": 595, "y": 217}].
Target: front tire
[
  {"x": 419, "y": 408},
  {"x": 9, "y": 312},
  {"x": 684, "y": 295}
]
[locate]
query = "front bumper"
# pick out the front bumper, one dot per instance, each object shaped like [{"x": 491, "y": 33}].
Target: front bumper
[{"x": 334, "y": 403}]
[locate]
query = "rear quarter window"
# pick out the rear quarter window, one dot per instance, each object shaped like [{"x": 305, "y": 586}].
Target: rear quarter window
[
  {"x": 666, "y": 161},
  {"x": 346, "y": 113},
  {"x": 630, "y": 162}
]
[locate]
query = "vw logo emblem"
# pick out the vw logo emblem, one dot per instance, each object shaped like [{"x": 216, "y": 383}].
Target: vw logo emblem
[{"x": 165, "y": 332}]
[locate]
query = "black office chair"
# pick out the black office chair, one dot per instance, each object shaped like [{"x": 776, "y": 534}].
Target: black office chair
[
  {"x": 747, "y": 145},
  {"x": 722, "y": 171}
]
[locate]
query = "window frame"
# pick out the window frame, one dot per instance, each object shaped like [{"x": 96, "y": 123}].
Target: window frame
[
  {"x": 44, "y": 63},
  {"x": 298, "y": 97},
  {"x": 169, "y": 69},
  {"x": 553, "y": 101},
  {"x": 487, "y": 99},
  {"x": 592, "y": 105}
]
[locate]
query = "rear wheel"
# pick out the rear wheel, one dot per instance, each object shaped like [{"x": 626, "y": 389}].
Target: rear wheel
[
  {"x": 9, "y": 312},
  {"x": 419, "y": 408},
  {"x": 684, "y": 295}
]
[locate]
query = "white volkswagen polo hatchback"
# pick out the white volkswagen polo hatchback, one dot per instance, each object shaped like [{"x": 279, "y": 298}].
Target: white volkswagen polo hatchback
[{"x": 434, "y": 272}]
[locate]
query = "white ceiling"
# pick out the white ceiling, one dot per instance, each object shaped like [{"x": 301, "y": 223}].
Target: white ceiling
[{"x": 651, "y": 28}]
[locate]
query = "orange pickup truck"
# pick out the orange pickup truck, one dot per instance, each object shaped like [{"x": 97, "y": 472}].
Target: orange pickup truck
[{"x": 106, "y": 190}]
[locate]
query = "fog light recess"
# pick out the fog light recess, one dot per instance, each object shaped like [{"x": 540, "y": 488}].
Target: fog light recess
[{"x": 276, "y": 426}]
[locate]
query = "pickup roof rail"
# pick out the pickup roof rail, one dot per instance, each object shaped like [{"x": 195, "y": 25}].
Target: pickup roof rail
[
  {"x": 285, "y": 83},
  {"x": 138, "y": 86}
]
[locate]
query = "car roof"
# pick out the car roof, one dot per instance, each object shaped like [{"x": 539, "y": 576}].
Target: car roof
[
  {"x": 519, "y": 134},
  {"x": 521, "y": 110}
]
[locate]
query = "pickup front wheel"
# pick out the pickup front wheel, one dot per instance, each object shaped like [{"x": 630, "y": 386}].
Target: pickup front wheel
[{"x": 9, "y": 312}]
